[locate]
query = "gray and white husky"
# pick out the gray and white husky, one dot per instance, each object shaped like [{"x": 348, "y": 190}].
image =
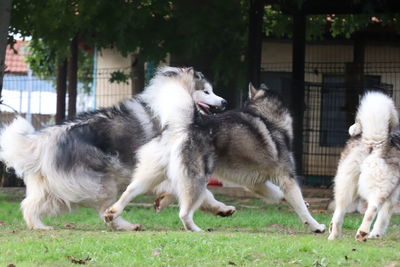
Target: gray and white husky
[
  {"x": 369, "y": 167},
  {"x": 250, "y": 146},
  {"x": 86, "y": 161}
]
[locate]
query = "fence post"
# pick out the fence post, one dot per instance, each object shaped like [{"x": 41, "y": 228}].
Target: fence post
[
  {"x": 297, "y": 88},
  {"x": 255, "y": 37},
  {"x": 28, "y": 111}
]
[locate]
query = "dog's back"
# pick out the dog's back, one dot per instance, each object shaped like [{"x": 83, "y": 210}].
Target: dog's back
[{"x": 256, "y": 139}]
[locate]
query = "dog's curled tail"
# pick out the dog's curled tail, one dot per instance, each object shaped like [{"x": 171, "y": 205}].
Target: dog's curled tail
[
  {"x": 376, "y": 118},
  {"x": 17, "y": 147}
]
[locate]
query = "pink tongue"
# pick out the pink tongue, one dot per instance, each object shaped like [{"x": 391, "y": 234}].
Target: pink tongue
[{"x": 203, "y": 105}]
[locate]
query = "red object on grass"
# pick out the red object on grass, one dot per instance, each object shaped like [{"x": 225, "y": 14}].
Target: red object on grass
[{"x": 214, "y": 182}]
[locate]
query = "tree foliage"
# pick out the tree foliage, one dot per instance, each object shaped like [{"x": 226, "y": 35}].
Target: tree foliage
[
  {"x": 212, "y": 34},
  {"x": 318, "y": 27},
  {"x": 210, "y": 31},
  {"x": 42, "y": 59}
]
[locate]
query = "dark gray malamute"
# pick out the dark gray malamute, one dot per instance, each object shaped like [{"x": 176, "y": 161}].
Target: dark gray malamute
[{"x": 250, "y": 146}]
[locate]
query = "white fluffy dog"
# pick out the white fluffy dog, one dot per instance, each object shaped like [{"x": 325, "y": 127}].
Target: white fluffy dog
[
  {"x": 369, "y": 167},
  {"x": 86, "y": 161}
]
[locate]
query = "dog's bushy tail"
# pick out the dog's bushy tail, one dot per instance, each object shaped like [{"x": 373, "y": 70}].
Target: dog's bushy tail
[
  {"x": 17, "y": 146},
  {"x": 377, "y": 117}
]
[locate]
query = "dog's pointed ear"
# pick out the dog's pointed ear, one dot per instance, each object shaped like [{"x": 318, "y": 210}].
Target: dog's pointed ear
[
  {"x": 190, "y": 70},
  {"x": 264, "y": 87},
  {"x": 252, "y": 91}
]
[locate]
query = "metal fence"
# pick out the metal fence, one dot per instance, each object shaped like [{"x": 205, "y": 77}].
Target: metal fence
[
  {"x": 331, "y": 99},
  {"x": 330, "y": 104},
  {"x": 330, "y": 110}
]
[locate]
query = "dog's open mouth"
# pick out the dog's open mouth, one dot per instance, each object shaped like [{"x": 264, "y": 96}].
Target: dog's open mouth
[{"x": 206, "y": 109}]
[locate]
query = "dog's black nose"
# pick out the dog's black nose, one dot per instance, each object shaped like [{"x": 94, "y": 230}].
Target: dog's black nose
[{"x": 224, "y": 103}]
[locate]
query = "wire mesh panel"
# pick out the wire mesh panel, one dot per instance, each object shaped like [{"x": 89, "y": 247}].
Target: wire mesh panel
[{"x": 330, "y": 110}]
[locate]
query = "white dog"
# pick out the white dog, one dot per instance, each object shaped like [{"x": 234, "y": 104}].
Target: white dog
[{"x": 369, "y": 167}]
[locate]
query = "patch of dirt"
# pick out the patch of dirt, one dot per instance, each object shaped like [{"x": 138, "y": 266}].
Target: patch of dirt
[{"x": 79, "y": 261}]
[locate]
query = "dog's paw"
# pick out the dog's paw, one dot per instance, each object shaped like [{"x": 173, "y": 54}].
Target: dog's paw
[
  {"x": 131, "y": 227},
  {"x": 157, "y": 204},
  {"x": 227, "y": 212},
  {"x": 361, "y": 236},
  {"x": 110, "y": 214},
  {"x": 332, "y": 236},
  {"x": 375, "y": 235},
  {"x": 136, "y": 227},
  {"x": 320, "y": 229},
  {"x": 334, "y": 232}
]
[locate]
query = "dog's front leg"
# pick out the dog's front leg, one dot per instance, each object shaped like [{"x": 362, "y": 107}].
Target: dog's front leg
[
  {"x": 191, "y": 183},
  {"x": 148, "y": 174}
]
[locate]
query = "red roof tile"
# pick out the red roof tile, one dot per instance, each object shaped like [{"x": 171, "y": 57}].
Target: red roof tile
[{"x": 15, "y": 62}]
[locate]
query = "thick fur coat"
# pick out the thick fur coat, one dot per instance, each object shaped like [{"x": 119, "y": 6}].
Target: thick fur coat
[{"x": 369, "y": 167}]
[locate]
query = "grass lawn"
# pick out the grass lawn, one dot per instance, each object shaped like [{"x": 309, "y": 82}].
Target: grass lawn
[{"x": 256, "y": 235}]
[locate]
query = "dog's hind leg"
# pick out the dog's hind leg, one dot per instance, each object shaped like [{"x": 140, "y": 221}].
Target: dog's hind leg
[
  {"x": 378, "y": 184},
  {"x": 269, "y": 192},
  {"x": 345, "y": 192},
  {"x": 166, "y": 194},
  {"x": 163, "y": 200},
  {"x": 293, "y": 196},
  {"x": 374, "y": 205},
  {"x": 383, "y": 219},
  {"x": 209, "y": 204},
  {"x": 384, "y": 215},
  {"x": 213, "y": 206},
  {"x": 39, "y": 203},
  {"x": 379, "y": 194}
]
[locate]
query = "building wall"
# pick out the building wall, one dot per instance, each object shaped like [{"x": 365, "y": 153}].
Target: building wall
[{"x": 107, "y": 93}]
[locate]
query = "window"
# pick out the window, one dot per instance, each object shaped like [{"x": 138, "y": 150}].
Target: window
[
  {"x": 334, "y": 119},
  {"x": 279, "y": 82}
]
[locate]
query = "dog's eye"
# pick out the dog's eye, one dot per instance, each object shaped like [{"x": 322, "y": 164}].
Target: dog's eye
[{"x": 206, "y": 92}]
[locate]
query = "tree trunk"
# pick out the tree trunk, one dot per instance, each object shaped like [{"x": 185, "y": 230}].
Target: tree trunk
[
  {"x": 137, "y": 74},
  {"x": 72, "y": 78},
  {"x": 61, "y": 91},
  {"x": 5, "y": 15}
]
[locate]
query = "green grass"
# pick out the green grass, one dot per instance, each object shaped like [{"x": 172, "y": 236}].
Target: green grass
[{"x": 257, "y": 235}]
